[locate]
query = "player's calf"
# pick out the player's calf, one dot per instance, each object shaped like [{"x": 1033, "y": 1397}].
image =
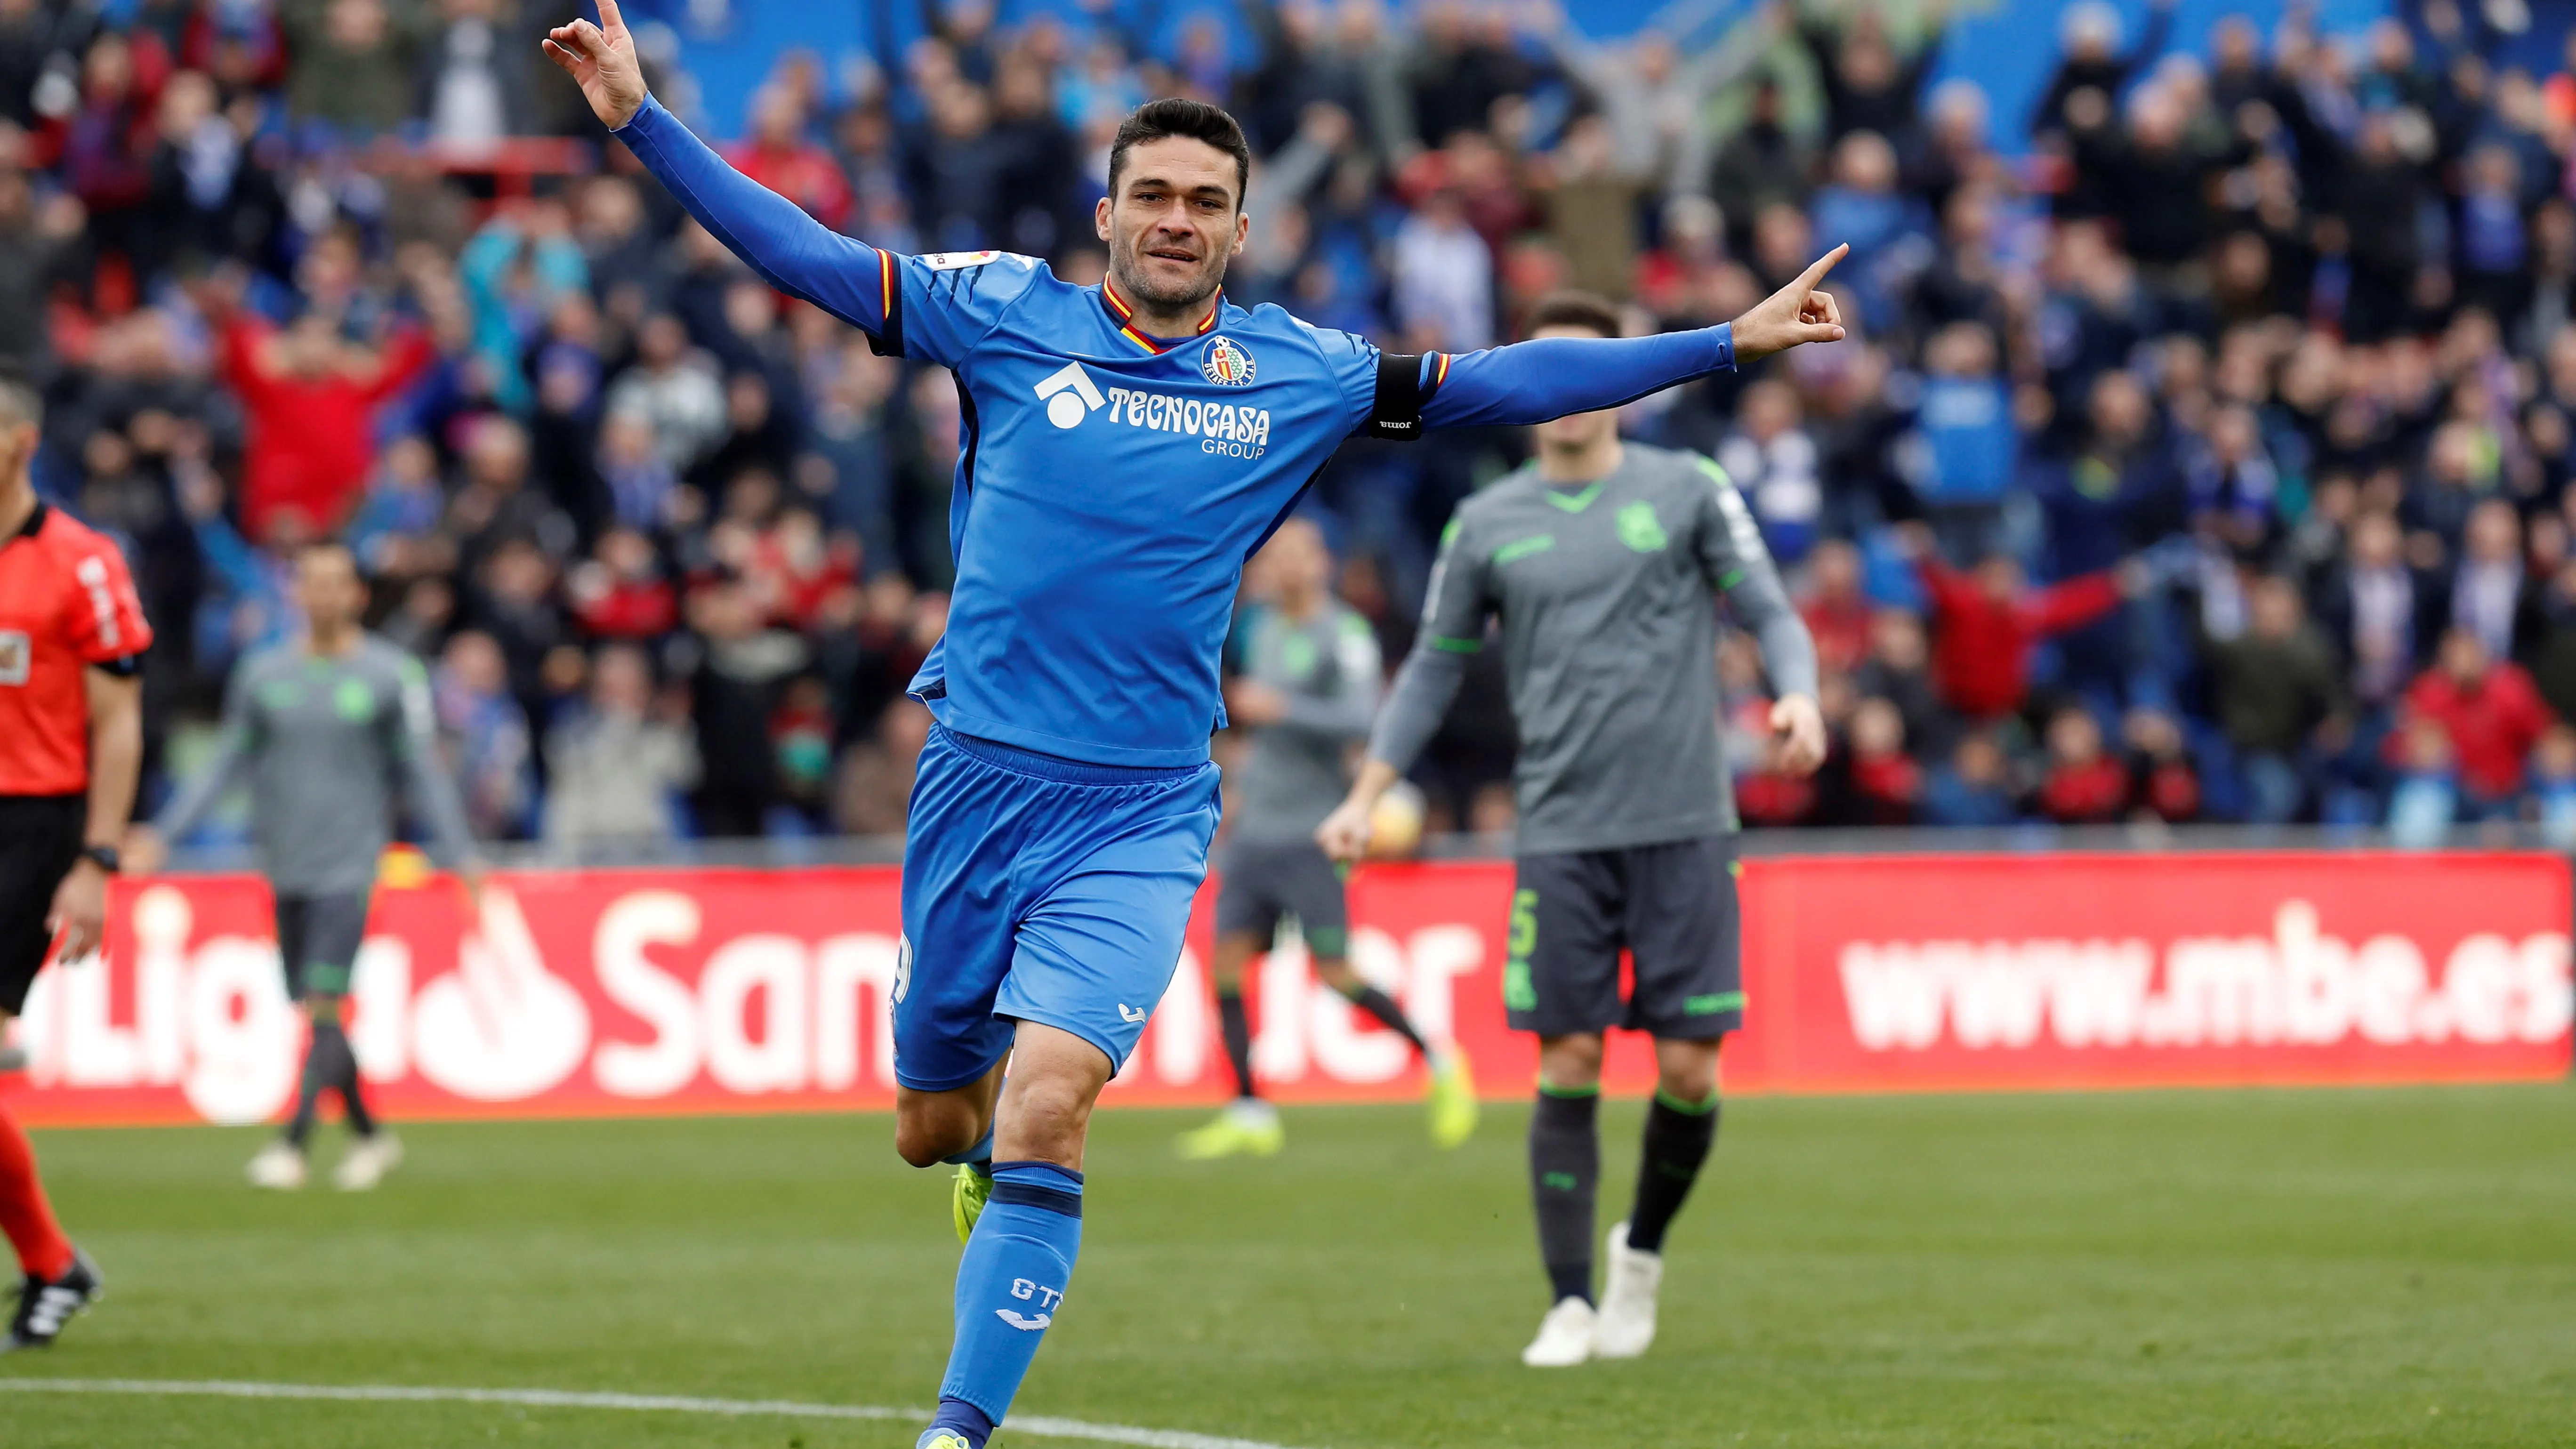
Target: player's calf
[
  {"x": 1681, "y": 1128},
  {"x": 1019, "y": 1260}
]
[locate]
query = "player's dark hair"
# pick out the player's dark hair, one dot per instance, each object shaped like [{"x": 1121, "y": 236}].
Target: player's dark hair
[
  {"x": 1180, "y": 116},
  {"x": 21, "y": 401},
  {"x": 1586, "y": 310}
]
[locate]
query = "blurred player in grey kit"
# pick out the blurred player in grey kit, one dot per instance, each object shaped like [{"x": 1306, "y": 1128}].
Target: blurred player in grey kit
[
  {"x": 1307, "y": 681},
  {"x": 1603, "y": 563},
  {"x": 330, "y": 728}
]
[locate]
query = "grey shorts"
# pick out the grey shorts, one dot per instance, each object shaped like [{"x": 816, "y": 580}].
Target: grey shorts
[
  {"x": 1265, "y": 880},
  {"x": 1671, "y": 908},
  {"x": 318, "y": 939}
]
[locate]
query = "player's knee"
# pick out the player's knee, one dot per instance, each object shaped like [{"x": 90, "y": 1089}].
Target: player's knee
[
  {"x": 925, "y": 1134},
  {"x": 921, "y": 1144},
  {"x": 1687, "y": 1076},
  {"x": 1339, "y": 976},
  {"x": 1570, "y": 1062},
  {"x": 1046, "y": 1120}
]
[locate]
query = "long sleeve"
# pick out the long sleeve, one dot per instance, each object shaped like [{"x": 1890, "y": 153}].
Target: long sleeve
[
  {"x": 233, "y": 748},
  {"x": 1738, "y": 564},
  {"x": 2072, "y": 604},
  {"x": 403, "y": 359},
  {"x": 1736, "y": 55},
  {"x": 789, "y": 249},
  {"x": 1424, "y": 689},
  {"x": 1286, "y": 176},
  {"x": 426, "y": 782},
  {"x": 239, "y": 360},
  {"x": 1453, "y": 627},
  {"x": 1553, "y": 377}
]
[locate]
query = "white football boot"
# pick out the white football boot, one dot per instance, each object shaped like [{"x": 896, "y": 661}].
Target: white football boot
[
  {"x": 1627, "y": 1319},
  {"x": 1564, "y": 1336},
  {"x": 369, "y": 1159},
  {"x": 279, "y": 1167}
]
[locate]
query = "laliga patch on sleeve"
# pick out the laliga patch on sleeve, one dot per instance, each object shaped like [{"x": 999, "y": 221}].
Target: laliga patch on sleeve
[{"x": 951, "y": 261}]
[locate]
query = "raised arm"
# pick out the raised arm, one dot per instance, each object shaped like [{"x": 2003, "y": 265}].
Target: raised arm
[
  {"x": 1553, "y": 377},
  {"x": 789, "y": 249}
]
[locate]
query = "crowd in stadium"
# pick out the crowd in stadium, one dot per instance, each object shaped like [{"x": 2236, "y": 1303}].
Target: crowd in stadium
[{"x": 2208, "y": 461}]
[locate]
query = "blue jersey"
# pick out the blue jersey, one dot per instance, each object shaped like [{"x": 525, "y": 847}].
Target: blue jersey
[
  {"x": 1111, "y": 488},
  {"x": 1112, "y": 483}
]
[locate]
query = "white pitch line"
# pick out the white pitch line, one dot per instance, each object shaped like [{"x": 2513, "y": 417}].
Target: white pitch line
[{"x": 1041, "y": 1426}]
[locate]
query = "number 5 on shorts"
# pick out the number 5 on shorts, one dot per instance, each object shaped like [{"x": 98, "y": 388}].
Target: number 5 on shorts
[{"x": 1519, "y": 994}]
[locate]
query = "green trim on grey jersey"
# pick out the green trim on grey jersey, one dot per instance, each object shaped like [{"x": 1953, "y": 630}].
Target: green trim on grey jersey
[{"x": 1609, "y": 643}]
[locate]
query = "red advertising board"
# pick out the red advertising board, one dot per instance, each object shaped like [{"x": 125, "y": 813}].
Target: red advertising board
[{"x": 718, "y": 990}]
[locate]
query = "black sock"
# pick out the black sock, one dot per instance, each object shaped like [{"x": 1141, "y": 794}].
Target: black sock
[
  {"x": 1565, "y": 1170},
  {"x": 318, "y": 1078},
  {"x": 352, "y": 1096},
  {"x": 1382, "y": 1006},
  {"x": 1238, "y": 1039},
  {"x": 1678, "y": 1137}
]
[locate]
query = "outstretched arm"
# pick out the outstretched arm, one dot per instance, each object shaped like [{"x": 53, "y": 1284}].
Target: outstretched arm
[
  {"x": 1554, "y": 377},
  {"x": 789, "y": 249}
]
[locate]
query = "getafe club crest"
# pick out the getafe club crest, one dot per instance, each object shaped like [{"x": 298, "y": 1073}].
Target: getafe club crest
[{"x": 1226, "y": 362}]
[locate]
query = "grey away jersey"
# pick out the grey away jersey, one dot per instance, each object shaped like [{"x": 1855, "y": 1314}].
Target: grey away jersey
[
  {"x": 1609, "y": 638},
  {"x": 323, "y": 740},
  {"x": 1328, "y": 667}
]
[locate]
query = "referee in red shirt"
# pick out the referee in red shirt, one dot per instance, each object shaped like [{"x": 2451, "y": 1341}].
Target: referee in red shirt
[{"x": 72, "y": 638}]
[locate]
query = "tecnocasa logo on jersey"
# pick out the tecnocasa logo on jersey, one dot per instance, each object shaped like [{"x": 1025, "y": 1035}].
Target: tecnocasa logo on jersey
[{"x": 1227, "y": 430}]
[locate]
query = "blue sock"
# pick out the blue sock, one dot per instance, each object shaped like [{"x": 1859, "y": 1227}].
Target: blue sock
[
  {"x": 979, "y": 1156},
  {"x": 1010, "y": 1283},
  {"x": 961, "y": 1417}
]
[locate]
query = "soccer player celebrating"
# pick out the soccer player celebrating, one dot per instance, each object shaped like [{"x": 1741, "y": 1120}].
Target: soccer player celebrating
[
  {"x": 72, "y": 638},
  {"x": 1307, "y": 689},
  {"x": 1127, "y": 447},
  {"x": 325, "y": 726},
  {"x": 1601, "y": 558}
]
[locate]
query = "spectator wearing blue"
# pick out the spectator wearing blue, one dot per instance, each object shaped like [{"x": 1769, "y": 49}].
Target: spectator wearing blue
[
  {"x": 1973, "y": 790},
  {"x": 1888, "y": 231},
  {"x": 514, "y": 270},
  {"x": 1968, "y": 452}
]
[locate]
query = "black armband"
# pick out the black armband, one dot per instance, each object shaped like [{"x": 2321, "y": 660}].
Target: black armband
[
  {"x": 1400, "y": 396},
  {"x": 887, "y": 340}
]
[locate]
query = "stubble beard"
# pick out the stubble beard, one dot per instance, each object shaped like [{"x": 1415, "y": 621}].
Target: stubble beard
[{"x": 1126, "y": 270}]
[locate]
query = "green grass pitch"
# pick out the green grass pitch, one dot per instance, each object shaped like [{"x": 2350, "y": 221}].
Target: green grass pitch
[{"x": 2188, "y": 1268}]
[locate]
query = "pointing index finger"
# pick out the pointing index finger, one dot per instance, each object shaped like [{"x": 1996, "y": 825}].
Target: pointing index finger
[
  {"x": 1809, "y": 278},
  {"x": 609, "y": 19}
]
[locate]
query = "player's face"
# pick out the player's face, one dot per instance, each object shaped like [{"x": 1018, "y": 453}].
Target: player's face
[
  {"x": 1174, "y": 222},
  {"x": 327, "y": 588},
  {"x": 1295, "y": 564},
  {"x": 1580, "y": 430}
]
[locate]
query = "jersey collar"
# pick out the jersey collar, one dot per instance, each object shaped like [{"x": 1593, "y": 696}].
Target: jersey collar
[
  {"x": 34, "y": 525},
  {"x": 1121, "y": 313}
]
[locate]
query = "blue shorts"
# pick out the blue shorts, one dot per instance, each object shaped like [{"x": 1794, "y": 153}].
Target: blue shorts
[{"x": 1040, "y": 889}]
